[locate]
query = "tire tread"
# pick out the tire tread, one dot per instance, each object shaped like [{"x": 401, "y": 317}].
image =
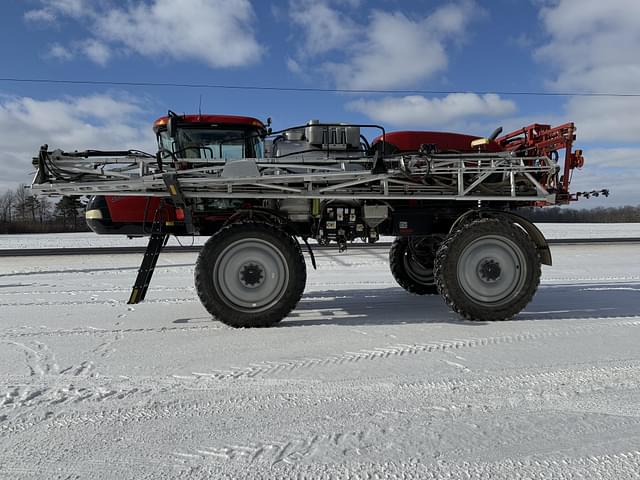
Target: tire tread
[
  {"x": 234, "y": 318},
  {"x": 446, "y": 281}
]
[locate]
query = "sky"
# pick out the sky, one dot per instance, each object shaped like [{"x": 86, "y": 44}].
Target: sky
[{"x": 482, "y": 50}]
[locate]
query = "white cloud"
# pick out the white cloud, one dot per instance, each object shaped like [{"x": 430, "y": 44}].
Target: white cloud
[
  {"x": 75, "y": 8},
  {"x": 602, "y": 119},
  {"x": 420, "y": 112},
  {"x": 325, "y": 27},
  {"x": 294, "y": 67},
  {"x": 40, "y": 15},
  {"x": 593, "y": 45},
  {"x": 621, "y": 157},
  {"x": 59, "y": 52},
  {"x": 97, "y": 51},
  {"x": 392, "y": 50},
  {"x": 95, "y": 121},
  {"x": 219, "y": 33},
  {"x": 52, "y": 9},
  {"x": 621, "y": 182}
]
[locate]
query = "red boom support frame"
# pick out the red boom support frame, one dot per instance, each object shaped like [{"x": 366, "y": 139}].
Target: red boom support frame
[{"x": 542, "y": 140}]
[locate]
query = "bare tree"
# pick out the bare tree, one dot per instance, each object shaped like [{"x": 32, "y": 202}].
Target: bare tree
[
  {"x": 32, "y": 207},
  {"x": 45, "y": 211},
  {"x": 6, "y": 207},
  {"x": 20, "y": 203}
]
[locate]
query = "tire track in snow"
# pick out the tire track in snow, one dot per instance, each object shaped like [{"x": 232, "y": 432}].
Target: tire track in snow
[
  {"x": 589, "y": 379},
  {"x": 22, "y": 401},
  {"x": 439, "y": 436},
  {"x": 22, "y": 466},
  {"x": 107, "y": 271},
  {"x": 584, "y": 425},
  {"x": 53, "y": 303},
  {"x": 602, "y": 278},
  {"x": 135, "y": 412},
  {"x": 614, "y": 466},
  {"x": 580, "y": 381},
  {"x": 94, "y": 291},
  {"x": 397, "y": 350},
  {"x": 290, "y": 450},
  {"x": 21, "y": 333}
]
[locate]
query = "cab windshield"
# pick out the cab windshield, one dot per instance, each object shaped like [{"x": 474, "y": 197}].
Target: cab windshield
[{"x": 213, "y": 144}]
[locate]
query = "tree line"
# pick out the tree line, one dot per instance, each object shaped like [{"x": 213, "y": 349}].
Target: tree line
[
  {"x": 21, "y": 212},
  {"x": 626, "y": 214}
]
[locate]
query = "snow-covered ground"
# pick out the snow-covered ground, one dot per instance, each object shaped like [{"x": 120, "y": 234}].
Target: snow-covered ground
[
  {"x": 88, "y": 239},
  {"x": 361, "y": 381}
]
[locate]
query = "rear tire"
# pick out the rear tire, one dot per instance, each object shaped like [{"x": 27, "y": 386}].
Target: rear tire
[
  {"x": 487, "y": 270},
  {"x": 250, "y": 274},
  {"x": 411, "y": 262}
]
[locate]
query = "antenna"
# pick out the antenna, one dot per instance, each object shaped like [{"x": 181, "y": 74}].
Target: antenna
[{"x": 200, "y": 106}]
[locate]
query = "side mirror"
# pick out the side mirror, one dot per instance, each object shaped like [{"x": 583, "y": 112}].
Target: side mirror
[
  {"x": 172, "y": 123},
  {"x": 172, "y": 127}
]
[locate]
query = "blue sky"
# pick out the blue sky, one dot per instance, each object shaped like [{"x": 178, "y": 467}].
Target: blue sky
[{"x": 461, "y": 46}]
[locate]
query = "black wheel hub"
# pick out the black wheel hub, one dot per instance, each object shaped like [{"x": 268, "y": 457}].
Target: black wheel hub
[
  {"x": 251, "y": 275},
  {"x": 490, "y": 270}
]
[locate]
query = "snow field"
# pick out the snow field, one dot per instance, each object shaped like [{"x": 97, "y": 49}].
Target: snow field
[{"x": 362, "y": 380}]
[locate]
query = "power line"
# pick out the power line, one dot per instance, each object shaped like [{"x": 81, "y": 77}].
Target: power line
[{"x": 312, "y": 89}]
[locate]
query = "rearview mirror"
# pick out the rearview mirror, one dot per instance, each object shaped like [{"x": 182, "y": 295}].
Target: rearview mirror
[
  {"x": 172, "y": 123},
  {"x": 172, "y": 127}
]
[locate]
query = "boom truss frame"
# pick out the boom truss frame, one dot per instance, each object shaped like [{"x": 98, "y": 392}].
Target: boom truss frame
[{"x": 437, "y": 177}]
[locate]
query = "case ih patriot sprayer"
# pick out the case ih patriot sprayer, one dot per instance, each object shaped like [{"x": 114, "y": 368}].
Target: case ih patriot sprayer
[{"x": 449, "y": 199}]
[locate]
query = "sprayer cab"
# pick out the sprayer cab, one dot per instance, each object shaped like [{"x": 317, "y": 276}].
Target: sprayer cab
[
  {"x": 209, "y": 137},
  {"x": 184, "y": 141}
]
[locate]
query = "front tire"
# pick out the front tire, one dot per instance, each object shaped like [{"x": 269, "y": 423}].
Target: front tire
[
  {"x": 250, "y": 274},
  {"x": 488, "y": 270}
]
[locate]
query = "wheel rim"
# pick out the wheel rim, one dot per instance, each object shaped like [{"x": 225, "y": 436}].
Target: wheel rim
[
  {"x": 417, "y": 271},
  {"x": 492, "y": 270},
  {"x": 251, "y": 275},
  {"x": 418, "y": 260}
]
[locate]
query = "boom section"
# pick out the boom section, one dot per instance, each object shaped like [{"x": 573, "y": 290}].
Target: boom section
[{"x": 502, "y": 176}]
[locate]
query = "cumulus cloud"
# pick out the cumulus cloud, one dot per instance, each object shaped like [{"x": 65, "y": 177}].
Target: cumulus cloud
[
  {"x": 219, "y": 33},
  {"x": 95, "y": 121},
  {"x": 593, "y": 45},
  {"x": 621, "y": 182},
  {"x": 325, "y": 28},
  {"x": 53, "y": 9},
  {"x": 391, "y": 50},
  {"x": 60, "y": 52},
  {"x": 40, "y": 15},
  {"x": 620, "y": 157},
  {"x": 97, "y": 51},
  {"x": 603, "y": 119},
  {"x": 421, "y": 112}
]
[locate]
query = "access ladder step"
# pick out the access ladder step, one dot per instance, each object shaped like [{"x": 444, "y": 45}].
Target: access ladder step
[{"x": 156, "y": 242}]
